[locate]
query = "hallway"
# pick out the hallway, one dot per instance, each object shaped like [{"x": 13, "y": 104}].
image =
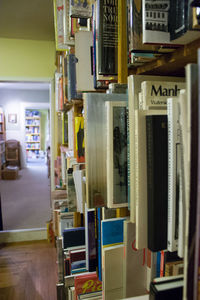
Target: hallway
[{"x": 26, "y": 201}]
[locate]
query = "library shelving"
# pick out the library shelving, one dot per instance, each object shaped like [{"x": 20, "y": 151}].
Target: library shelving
[
  {"x": 2, "y": 125},
  {"x": 33, "y": 133},
  {"x": 2, "y": 155}
]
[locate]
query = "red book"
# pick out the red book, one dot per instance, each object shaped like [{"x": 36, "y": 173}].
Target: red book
[{"x": 87, "y": 283}]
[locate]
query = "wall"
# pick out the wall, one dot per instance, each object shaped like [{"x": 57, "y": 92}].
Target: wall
[
  {"x": 16, "y": 101},
  {"x": 26, "y": 59}
]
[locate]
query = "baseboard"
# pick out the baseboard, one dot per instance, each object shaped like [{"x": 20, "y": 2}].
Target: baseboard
[{"x": 23, "y": 235}]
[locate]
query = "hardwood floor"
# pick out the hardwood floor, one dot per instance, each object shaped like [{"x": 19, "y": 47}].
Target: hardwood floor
[{"x": 28, "y": 271}]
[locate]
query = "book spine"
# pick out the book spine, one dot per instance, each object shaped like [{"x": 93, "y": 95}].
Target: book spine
[
  {"x": 178, "y": 15},
  {"x": 172, "y": 174},
  {"x": 107, "y": 36},
  {"x": 157, "y": 181}
]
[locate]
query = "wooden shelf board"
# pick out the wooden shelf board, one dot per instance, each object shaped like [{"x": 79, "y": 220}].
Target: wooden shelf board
[{"x": 172, "y": 64}]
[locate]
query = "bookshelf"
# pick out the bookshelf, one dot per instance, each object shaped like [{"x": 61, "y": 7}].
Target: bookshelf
[
  {"x": 32, "y": 133},
  {"x": 2, "y": 126},
  {"x": 90, "y": 185},
  {"x": 2, "y": 156}
]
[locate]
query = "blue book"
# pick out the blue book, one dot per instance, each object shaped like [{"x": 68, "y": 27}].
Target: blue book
[
  {"x": 72, "y": 92},
  {"x": 112, "y": 231},
  {"x": 158, "y": 264},
  {"x": 73, "y": 237},
  {"x": 99, "y": 218},
  {"x": 78, "y": 264}
]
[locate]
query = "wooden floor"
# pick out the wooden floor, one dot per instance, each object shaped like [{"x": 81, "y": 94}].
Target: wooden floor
[{"x": 28, "y": 271}]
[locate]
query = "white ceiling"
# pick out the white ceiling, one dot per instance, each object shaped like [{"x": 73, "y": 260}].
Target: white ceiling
[
  {"x": 27, "y": 19},
  {"x": 24, "y": 86}
]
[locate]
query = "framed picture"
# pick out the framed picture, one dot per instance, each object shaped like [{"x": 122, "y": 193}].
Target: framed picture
[{"x": 12, "y": 118}]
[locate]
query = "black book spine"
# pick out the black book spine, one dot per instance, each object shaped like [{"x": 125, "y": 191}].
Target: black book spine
[
  {"x": 107, "y": 36},
  {"x": 157, "y": 181},
  {"x": 178, "y": 18}
]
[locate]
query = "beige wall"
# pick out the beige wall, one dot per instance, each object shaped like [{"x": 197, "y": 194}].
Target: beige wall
[{"x": 26, "y": 59}]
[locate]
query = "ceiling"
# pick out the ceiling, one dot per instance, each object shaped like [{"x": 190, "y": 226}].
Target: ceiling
[{"x": 27, "y": 19}]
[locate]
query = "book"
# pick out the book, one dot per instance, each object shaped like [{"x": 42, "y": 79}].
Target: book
[
  {"x": 91, "y": 253},
  {"x": 66, "y": 220},
  {"x": 107, "y": 37},
  {"x": 141, "y": 175},
  {"x": 155, "y": 94},
  {"x": 71, "y": 190},
  {"x": 87, "y": 283},
  {"x": 116, "y": 154},
  {"x": 134, "y": 264},
  {"x": 83, "y": 53},
  {"x": 73, "y": 237},
  {"x": 72, "y": 84},
  {"x": 112, "y": 272},
  {"x": 78, "y": 176},
  {"x": 80, "y": 8},
  {"x": 66, "y": 20},
  {"x": 91, "y": 295},
  {"x": 166, "y": 288},
  {"x": 95, "y": 145},
  {"x": 112, "y": 232},
  {"x": 134, "y": 88},
  {"x": 174, "y": 165},
  {"x": 157, "y": 181},
  {"x": 79, "y": 134}
]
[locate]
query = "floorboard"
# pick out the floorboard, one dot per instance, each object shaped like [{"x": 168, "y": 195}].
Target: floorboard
[{"x": 28, "y": 271}]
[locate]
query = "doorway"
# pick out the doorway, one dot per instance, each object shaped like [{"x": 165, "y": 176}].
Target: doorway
[{"x": 25, "y": 201}]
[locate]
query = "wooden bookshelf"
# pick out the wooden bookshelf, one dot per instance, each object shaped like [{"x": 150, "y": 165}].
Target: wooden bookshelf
[
  {"x": 2, "y": 156},
  {"x": 172, "y": 64},
  {"x": 2, "y": 126}
]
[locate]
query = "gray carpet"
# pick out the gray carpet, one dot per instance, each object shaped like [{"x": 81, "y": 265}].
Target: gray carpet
[{"x": 26, "y": 201}]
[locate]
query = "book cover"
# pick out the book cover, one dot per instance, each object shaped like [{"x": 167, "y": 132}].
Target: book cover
[
  {"x": 74, "y": 237},
  {"x": 83, "y": 53},
  {"x": 112, "y": 272},
  {"x": 107, "y": 37},
  {"x": 80, "y": 8},
  {"x": 155, "y": 94},
  {"x": 87, "y": 283},
  {"x": 112, "y": 232},
  {"x": 66, "y": 221},
  {"x": 78, "y": 176},
  {"x": 99, "y": 218},
  {"x": 76, "y": 255},
  {"x": 95, "y": 145},
  {"x": 134, "y": 87},
  {"x": 134, "y": 264},
  {"x": 72, "y": 85},
  {"x": 116, "y": 154},
  {"x": 71, "y": 192},
  {"x": 157, "y": 181},
  {"x": 91, "y": 295},
  {"x": 79, "y": 133},
  {"x": 91, "y": 253},
  {"x": 167, "y": 288},
  {"x": 68, "y": 41},
  {"x": 140, "y": 176}
]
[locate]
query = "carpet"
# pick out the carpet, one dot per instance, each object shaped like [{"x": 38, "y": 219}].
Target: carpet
[{"x": 26, "y": 201}]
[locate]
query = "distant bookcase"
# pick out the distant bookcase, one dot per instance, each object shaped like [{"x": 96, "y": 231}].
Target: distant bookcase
[
  {"x": 2, "y": 126},
  {"x": 32, "y": 133},
  {"x": 2, "y": 156}
]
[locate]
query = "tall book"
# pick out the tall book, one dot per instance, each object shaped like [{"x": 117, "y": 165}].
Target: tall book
[
  {"x": 140, "y": 175},
  {"x": 157, "y": 181},
  {"x": 80, "y": 9},
  {"x": 134, "y": 87},
  {"x": 90, "y": 238},
  {"x": 83, "y": 53},
  {"x": 116, "y": 154},
  {"x": 174, "y": 166},
  {"x": 112, "y": 232},
  {"x": 191, "y": 257},
  {"x": 107, "y": 37},
  {"x": 79, "y": 136},
  {"x": 95, "y": 145},
  {"x": 112, "y": 272},
  {"x": 134, "y": 264},
  {"x": 73, "y": 237}
]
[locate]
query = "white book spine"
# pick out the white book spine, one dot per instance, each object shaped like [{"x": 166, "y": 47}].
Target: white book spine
[{"x": 173, "y": 145}]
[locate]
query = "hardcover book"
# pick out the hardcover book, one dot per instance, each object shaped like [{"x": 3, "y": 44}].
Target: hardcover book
[
  {"x": 87, "y": 283},
  {"x": 112, "y": 272},
  {"x": 80, "y": 189},
  {"x": 116, "y": 154},
  {"x": 107, "y": 37},
  {"x": 134, "y": 265},
  {"x": 157, "y": 181},
  {"x": 79, "y": 134},
  {"x": 141, "y": 175},
  {"x": 95, "y": 145},
  {"x": 112, "y": 231},
  {"x": 74, "y": 237},
  {"x": 155, "y": 94},
  {"x": 91, "y": 253},
  {"x": 174, "y": 165},
  {"x": 134, "y": 87},
  {"x": 80, "y": 8},
  {"x": 167, "y": 288}
]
